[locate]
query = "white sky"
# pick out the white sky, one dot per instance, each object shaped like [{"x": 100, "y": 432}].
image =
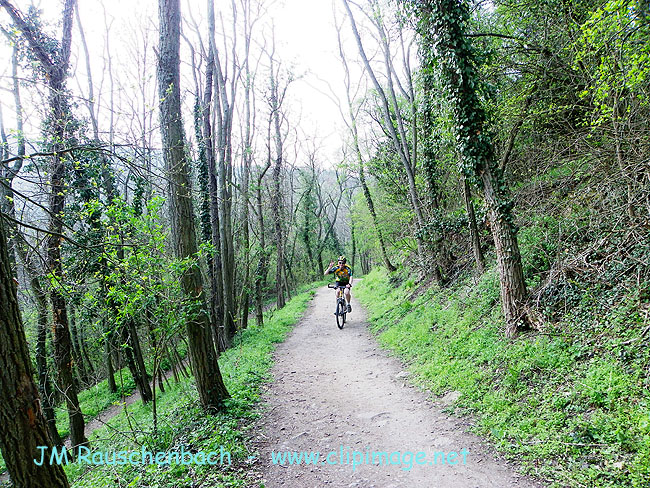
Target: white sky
[{"x": 305, "y": 40}]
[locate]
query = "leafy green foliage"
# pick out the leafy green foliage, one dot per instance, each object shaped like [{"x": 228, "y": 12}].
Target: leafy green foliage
[
  {"x": 183, "y": 423},
  {"x": 614, "y": 49}
]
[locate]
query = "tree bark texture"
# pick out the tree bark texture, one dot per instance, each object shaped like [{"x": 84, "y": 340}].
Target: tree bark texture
[
  {"x": 24, "y": 427},
  {"x": 446, "y": 23},
  {"x": 209, "y": 382}
]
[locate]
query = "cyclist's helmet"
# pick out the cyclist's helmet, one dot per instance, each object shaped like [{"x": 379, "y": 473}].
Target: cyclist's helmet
[{"x": 342, "y": 258}]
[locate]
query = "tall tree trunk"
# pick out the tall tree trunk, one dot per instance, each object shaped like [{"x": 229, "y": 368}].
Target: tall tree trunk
[
  {"x": 23, "y": 426},
  {"x": 217, "y": 283},
  {"x": 224, "y": 117},
  {"x": 357, "y": 150},
  {"x": 445, "y": 20},
  {"x": 205, "y": 219},
  {"x": 247, "y": 159},
  {"x": 61, "y": 329},
  {"x": 262, "y": 263},
  {"x": 276, "y": 195},
  {"x": 205, "y": 366},
  {"x": 473, "y": 228},
  {"x": 430, "y": 163},
  {"x": 393, "y": 125}
]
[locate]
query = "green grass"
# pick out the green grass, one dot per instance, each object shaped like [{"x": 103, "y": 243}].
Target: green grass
[
  {"x": 567, "y": 411},
  {"x": 92, "y": 401},
  {"x": 181, "y": 420}
]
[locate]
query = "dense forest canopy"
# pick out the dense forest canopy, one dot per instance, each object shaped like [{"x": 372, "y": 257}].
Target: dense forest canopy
[{"x": 169, "y": 171}]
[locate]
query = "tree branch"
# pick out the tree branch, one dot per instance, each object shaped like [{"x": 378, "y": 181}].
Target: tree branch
[{"x": 29, "y": 34}]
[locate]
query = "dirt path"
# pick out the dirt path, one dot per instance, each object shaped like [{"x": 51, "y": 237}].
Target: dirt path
[{"x": 337, "y": 391}]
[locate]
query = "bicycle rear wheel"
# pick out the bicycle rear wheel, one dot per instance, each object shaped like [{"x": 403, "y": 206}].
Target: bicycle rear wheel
[{"x": 341, "y": 309}]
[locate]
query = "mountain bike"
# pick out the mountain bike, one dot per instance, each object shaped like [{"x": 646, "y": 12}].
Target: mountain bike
[{"x": 341, "y": 305}]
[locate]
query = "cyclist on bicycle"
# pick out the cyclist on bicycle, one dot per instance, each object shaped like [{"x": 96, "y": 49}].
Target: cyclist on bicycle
[{"x": 343, "y": 274}]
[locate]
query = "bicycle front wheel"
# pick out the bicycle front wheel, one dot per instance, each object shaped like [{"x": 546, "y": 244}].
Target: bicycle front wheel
[{"x": 341, "y": 309}]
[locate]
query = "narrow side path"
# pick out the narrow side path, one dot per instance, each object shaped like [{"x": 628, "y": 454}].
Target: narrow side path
[{"x": 337, "y": 391}]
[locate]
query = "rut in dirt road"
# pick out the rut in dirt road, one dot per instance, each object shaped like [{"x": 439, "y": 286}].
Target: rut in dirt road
[{"x": 336, "y": 393}]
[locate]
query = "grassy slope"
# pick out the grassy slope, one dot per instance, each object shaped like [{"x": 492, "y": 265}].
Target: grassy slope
[
  {"x": 571, "y": 413},
  {"x": 181, "y": 422}
]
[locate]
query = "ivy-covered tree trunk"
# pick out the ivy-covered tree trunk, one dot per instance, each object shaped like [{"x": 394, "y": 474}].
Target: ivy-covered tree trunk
[
  {"x": 202, "y": 125},
  {"x": 61, "y": 329},
  {"x": 276, "y": 195},
  {"x": 473, "y": 228},
  {"x": 210, "y": 197},
  {"x": 437, "y": 238},
  {"x": 262, "y": 263},
  {"x": 445, "y": 21},
  {"x": 23, "y": 426},
  {"x": 209, "y": 382},
  {"x": 55, "y": 65}
]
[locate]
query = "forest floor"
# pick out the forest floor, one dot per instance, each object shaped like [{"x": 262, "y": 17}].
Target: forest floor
[
  {"x": 105, "y": 415},
  {"x": 337, "y": 391}
]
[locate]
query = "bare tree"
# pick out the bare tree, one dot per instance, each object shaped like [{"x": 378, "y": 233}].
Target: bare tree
[
  {"x": 276, "y": 99},
  {"x": 247, "y": 150},
  {"x": 225, "y": 81},
  {"x": 352, "y": 114},
  {"x": 394, "y": 124}
]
